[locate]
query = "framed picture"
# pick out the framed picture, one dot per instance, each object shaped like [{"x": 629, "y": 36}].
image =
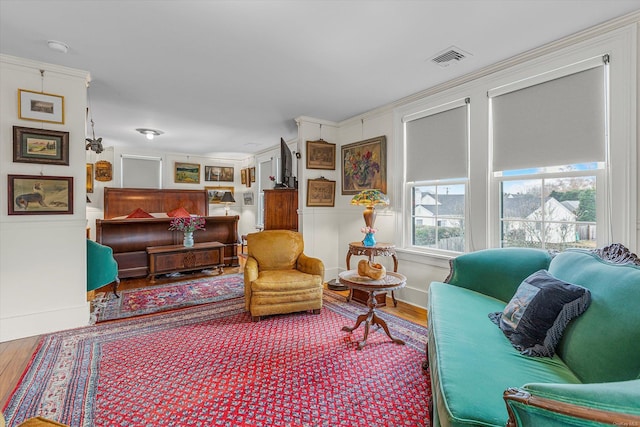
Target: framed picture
[
  {"x": 247, "y": 176},
  {"x": 215, "y": 193},
  {"x": 243, "y": 176},
  {"x": 321, "y": 155},
  {"x": 218, "y": 173},
  {"x": 40, "y": 106},
  {"x": 40, "y": 195},
  {"x": 252, "y": 174},
  {"x": 89, "y": 177},
  {"x": 40, "y": 146},
  {"x": 321, "y": 192},
  {"x": 364, "y": 165},
  {"x": 104, "y": 171},
  {"x": 187, "y": 173},
  {"x": 247, "y": 198}
]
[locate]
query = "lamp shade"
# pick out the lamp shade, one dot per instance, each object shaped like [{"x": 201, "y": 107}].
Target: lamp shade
[
  {"x": 370, "y": 198},
  {"x": 227, "y": 197}
]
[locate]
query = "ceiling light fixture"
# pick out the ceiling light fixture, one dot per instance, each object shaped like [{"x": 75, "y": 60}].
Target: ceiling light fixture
[
  {"x": 58, "y": 46},
  {"x": 149, "y": 133}
]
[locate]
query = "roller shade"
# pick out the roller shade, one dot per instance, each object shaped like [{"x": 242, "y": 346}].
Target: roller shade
[
  {"x": 558, "y": 122},
  {"x": 436, "y": 145},
  {"x": 265, "y": 172},
  {"x": 141, "y": 172}
]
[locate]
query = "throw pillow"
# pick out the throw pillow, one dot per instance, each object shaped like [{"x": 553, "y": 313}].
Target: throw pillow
[
  {"x": 179, "y": 213},
  {"x": 538, "y": 313},
  {"x": 139, "y": 213}
]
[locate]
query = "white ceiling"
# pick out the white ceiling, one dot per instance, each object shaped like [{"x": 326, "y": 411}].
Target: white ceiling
[{"x": 227, "y": 78}]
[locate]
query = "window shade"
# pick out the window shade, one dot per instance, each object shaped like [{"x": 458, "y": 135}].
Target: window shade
[
  {"x": 558, "y": 122},
  {"x": 265, "y": 172},
  {"x": 141, "y": 172},
  {"x": 436, "y": 146}
]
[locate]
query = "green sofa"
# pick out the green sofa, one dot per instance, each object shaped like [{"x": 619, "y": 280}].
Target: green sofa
[
  {"x": 102, "y": 268},
  {"x": 479, "y": 379}
]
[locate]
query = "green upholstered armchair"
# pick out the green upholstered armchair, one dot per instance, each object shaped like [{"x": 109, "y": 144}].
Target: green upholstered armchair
[
  {"x": 102, "y": 268},
  {"x": 278, "y": 277}
]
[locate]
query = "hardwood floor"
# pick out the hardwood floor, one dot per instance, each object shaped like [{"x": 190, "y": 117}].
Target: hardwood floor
[{"x": 15, "y": 355}]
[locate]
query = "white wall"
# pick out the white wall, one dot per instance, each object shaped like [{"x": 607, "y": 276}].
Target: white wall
[{"x": 42, "y": 257}]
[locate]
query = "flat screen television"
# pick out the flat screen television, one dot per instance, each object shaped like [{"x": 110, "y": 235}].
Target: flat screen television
[{"x": 286, "y": 166}]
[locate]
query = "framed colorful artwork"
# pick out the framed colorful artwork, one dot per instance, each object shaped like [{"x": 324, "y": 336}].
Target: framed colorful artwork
[
  {"x": 89, "y": 177},
  {"x": 40, "y": 106},
  {"x": 104, "y": 171},
  {"x": 215, "y": 194},
  {"x": 40, "y": 195},
  {"x": 218, "y": 173},
  {"x": 187, "y": 173},
  {"x": 44, "y": 146},
  {"x": 364, "y": 165}
]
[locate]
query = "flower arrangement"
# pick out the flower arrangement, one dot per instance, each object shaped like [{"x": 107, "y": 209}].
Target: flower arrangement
[
  {"x": 187, "y": 224},
  {"x": 368, "y": 230},
  {"x": 361, "y": 166}
]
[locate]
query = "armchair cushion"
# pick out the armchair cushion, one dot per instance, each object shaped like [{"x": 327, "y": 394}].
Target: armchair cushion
[{"x": 102, "y": 268}]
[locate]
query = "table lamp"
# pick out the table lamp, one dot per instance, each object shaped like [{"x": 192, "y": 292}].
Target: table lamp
[
  {"x": 227, "y": 199},
  {"x": 369, "y": 199}
]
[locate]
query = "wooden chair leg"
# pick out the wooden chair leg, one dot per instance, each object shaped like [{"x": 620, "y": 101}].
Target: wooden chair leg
[
  {"x": 115, "y": 287},
  {"x": 316, "y": 311},
  {"x": 255, "y": 318}
]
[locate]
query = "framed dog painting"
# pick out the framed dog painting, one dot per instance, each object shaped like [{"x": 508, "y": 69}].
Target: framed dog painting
[{"x": 40, "y": 195}]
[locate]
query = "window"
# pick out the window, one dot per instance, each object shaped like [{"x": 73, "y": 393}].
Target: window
[
  {"x": 436, "y": 158},
  {"x": 140, "y": 171},
  {"x": 542, "y": 210},
  {"x": 536, "y": 127},
  {"x": 438, "y": 216}
]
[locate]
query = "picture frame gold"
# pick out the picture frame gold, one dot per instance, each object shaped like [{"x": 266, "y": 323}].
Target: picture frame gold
[
  {"x": 40, "y": 146},
  {"x": 321, "y": 192},
  {"x": 218, "y": 173},
  {"x": 104, "y": 171},
  {"x": 321, "y": 155},
  {"x": 247, "y": 176},
  {"x": 252, "y": 174},
  {"x": 40, "y": 106},
  {"x": 186, "y": 173},
  {"x": 243, "y": 176},
  {"x": 40, "y": 195},
  {"x": 214, "y": 194},
  {"x": 89, "y": 177},
  {"x": 364, "y": 165}
]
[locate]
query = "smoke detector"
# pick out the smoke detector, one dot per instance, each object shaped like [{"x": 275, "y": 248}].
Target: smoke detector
[{"x": 450, "y": 55}]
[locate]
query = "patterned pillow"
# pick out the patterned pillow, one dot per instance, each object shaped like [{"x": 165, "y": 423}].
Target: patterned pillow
[
  {"x": 179, "y": 213},
  {"x": 139, "y": 213},
  {"x": 538, "y": 313}
]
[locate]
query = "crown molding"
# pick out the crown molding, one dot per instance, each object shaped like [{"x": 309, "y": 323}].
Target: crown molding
[{"x": 37, "y": 65}]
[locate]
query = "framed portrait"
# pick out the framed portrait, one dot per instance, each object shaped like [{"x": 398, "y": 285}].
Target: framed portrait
[
  {"x": 321, "y": 155},
  {"x": 218, "y": 173},
  {"x": 243, "y": 176},
  {"x": 40, "y": 195},
  {"x": 214, "y": 194},
  {"x": 321, "y": 192},
  {"x": 40, "y": 146},
  {"x": 252, "y": 174},
  {"x": 40, "y": 106},
  {"x": 89, "y": 177},
  {"x": 187, "y": 173},
  {"x": 104, "y": 171},
  {"x": 364, "y": 165},
  {"x": 247, "y": 198}
]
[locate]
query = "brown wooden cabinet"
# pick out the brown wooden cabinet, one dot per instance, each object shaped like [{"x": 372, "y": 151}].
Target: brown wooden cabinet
[
  {"x": 281, "y": 209},
  {"x": 175, "y": 258}
]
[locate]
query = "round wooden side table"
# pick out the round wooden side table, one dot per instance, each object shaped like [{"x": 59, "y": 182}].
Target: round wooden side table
[
  {"x": 379, "y": 249},
  {"x": 390, "y": 282}
]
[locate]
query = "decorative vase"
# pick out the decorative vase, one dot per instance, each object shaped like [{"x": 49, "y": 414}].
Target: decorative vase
[
  {"x": 369, "y": 240},
  {"x": 188, "y": 239}
]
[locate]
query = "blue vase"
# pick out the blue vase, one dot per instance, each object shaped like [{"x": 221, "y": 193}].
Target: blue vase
[{"x": 369, "y": 240}]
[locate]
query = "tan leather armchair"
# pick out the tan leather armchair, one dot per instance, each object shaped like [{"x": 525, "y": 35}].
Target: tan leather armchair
[{"x": 278, "y": 277}]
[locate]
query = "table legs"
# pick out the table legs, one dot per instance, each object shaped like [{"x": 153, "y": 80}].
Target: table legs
[{"x": 371, "y": 318}]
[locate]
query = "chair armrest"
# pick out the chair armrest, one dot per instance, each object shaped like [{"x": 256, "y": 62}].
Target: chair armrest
[
  {"x": 250, "y": 274},
  {"x": 497, "y": 272},
  {"x": 102, "y": 268},
  {"x": 311, "y": 265},
  {"x": 615, "y": 403}
]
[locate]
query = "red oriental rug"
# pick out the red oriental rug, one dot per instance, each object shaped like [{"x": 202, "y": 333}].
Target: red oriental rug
[
  {"x": 153, "y": 299},
  {"x": 211, "y": 365}
]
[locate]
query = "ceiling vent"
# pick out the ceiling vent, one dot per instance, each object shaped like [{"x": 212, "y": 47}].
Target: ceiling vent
[{"x": 451, "y": 55}]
